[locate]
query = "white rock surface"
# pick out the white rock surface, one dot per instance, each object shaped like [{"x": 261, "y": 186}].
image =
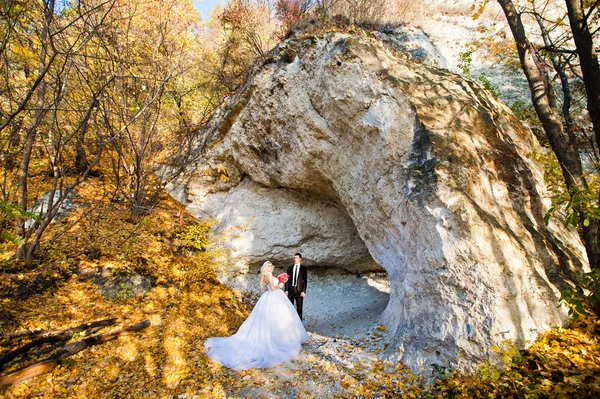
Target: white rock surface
[
  {"x": 40, "y": 207},
  {"x": 264, "y": 223},
  {"x": 433, "y": 172},
  {"x": 414, "y": 43},
  {"x": 452, "y": 30}
]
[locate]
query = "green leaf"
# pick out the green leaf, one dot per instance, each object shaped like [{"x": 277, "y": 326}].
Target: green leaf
[{"x": 546, "y": 218}]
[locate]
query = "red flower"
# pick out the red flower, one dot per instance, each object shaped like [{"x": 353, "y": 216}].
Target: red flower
[{"x": 282, "y": 277}]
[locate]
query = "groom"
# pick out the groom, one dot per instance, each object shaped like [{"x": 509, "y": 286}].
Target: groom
[{"x": 295, "y": 287}]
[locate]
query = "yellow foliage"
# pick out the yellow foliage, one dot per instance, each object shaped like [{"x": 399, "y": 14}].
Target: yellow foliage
[{"x": 186, "y": 306}]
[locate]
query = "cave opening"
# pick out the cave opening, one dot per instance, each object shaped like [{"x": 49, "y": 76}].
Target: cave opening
[{"x": 347, "y": 290}]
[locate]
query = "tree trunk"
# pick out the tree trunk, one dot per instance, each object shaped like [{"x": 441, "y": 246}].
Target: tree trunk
[
  {"x": 564, "y": 81},
  {"x": 81, "y": 161},
  {"x": 22, "y": 250},
  {"x": 547, "y": 112},
  {"x": 590, "y": 68},
  {"x": 47, "y": 365},
  {"x": 42, "y": 339}
]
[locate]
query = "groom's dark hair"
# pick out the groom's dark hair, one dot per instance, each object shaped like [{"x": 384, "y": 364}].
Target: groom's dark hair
[{"x": 299, "y": 254}]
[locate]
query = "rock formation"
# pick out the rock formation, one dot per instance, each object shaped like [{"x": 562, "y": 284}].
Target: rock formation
[{"x": 433, "y": 173}]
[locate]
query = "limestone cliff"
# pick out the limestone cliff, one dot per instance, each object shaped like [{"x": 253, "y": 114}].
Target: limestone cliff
[{"x": 422, "y": 168}]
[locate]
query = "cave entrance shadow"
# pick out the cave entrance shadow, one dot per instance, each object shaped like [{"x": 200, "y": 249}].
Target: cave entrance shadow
[{"x": 339, "y": 304}]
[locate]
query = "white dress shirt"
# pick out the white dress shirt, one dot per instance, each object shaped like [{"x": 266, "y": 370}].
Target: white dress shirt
[{"x": 295, "y": 275}]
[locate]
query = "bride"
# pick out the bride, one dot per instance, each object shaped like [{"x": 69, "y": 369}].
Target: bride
[{"x": 272, "y": 334}]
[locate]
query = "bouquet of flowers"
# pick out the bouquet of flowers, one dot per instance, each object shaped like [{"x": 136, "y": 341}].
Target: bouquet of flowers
[{"x": 282, "y": 277}]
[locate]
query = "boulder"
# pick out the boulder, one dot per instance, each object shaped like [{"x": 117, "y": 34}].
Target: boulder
[
  {"x": 123, "y": 286},
  {"x": 40, "y": 207},
  {"x": 433, "y": 172}
]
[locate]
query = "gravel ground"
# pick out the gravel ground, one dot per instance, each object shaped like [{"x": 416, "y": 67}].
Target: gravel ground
[
  {"x": 321, "y": 370},
  {"x": 341, "y": 305},
  {"x": 341, "y": 313}
]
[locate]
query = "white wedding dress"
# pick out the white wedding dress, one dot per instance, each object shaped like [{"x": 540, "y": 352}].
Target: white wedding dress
[{"x": 272, "y": 334}]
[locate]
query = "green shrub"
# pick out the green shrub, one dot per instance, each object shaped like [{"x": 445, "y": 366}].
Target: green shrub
[
  {"x": 466, "y": 57},
  {"x": 495, "y": 90},
  {"x": 196, "y": 236},
  {"x": 584, "y": 298},
  {"x": 125, "y": 291},
  {"x": 9, "y": 212}
]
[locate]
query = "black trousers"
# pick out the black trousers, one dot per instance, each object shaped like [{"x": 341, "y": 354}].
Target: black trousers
[{"x": 294, "y": 296}]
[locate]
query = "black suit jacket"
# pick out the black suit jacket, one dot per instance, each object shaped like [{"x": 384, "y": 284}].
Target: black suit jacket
[{"x": 302, "y": 278}]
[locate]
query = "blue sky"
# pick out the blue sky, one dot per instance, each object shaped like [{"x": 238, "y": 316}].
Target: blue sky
[{"x": 205, "y": 6}]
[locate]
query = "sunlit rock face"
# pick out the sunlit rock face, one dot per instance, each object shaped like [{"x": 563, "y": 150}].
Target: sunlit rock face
[
  {"x": 454, "y": 32},
  {"x": 412, "y": 44},
  {"x": 434, "y": 174},
  {"x": 260, "y": 223}
]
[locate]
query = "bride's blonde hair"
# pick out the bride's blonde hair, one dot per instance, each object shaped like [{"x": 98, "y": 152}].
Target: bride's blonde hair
[{"x": 263, "y": 275}]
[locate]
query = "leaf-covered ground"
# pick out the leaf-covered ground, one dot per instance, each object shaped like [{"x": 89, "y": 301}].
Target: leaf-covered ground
[{"x": 186, "y": 305}]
